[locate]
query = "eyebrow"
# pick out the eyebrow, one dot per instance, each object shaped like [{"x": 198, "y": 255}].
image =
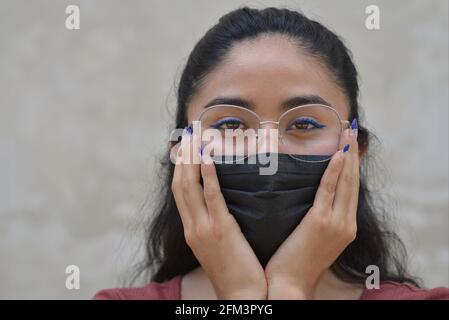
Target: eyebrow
[{"x": 288, "y": 104}]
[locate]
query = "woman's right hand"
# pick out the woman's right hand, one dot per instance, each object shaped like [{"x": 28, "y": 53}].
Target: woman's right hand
[{"x": 212, "y": 232}]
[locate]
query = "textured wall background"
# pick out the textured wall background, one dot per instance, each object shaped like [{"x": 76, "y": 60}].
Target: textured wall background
[{"x": 84, "y": 117}]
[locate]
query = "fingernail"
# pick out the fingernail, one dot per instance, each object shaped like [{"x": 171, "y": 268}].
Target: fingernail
[
  {"x": 346, "y": 148},
  {"x": 188, "y": 129},
  {"x": 354, "y": 127},
  {"x": 200, "y": 151}
]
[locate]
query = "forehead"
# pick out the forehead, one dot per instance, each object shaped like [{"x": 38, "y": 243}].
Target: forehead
[{"x": 268, "y": 71}]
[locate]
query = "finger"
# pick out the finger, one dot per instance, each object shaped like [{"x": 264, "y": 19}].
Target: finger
[
  {"x": 356, "y": 173},
  {"x": 215, "y": 202},
  {"x": 326, "y": 190},
  {"x": 191, "y": 185},
  {"x": 342, "y": 205},
  {"x": 175, "y": 153},
  {"x": 179, "y": 199}
]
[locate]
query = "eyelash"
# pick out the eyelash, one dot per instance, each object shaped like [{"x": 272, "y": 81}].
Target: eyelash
[
  {"x": 226, "y": 120},
  {"x": 308, "y": 121}
]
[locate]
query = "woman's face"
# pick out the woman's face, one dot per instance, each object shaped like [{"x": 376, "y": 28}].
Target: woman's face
[{"x": 265, "y": 73}]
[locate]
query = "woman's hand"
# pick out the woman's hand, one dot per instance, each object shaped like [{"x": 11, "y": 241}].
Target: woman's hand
[
  {"x": 212, "y": 232},
  {"x": 329, "y": 226}
]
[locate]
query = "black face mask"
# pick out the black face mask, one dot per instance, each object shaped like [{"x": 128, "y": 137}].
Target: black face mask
[{"x": 269, "y": 207}]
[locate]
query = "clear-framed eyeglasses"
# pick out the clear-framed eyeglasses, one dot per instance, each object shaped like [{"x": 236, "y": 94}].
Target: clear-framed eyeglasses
[{"x": 306, "y": 132}]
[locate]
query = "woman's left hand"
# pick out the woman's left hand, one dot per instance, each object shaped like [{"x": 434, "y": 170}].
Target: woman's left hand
[{"x": 326, "y": 230}]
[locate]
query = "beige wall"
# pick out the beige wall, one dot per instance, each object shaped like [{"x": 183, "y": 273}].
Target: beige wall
[{"x": 84, "y": 117}]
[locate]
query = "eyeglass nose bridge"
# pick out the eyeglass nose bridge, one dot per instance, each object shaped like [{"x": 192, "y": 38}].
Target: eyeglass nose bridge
[
  {"x": 261, "y": 123},
  {"x": 269, "y": 121}
]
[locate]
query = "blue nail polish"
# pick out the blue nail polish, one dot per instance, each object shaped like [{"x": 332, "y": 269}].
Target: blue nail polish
[
  {"x": 354, "y": 124},
  {"x": 200, "y": 151},
  {"x": 346, "y": 148},
  {"x": 188, "y": 130}
]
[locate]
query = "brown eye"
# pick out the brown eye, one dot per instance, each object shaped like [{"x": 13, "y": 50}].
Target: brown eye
[
  {"x": 306, "y": 124},
  {"x": 303, "y": 126},
  {"x": 229, "y": 123}
]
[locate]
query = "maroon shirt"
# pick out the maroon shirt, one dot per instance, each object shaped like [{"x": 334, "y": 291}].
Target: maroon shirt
[{"x": 171, "y": 290}]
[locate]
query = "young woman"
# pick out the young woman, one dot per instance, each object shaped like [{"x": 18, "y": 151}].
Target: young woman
[{"x": 308, "y": 231}]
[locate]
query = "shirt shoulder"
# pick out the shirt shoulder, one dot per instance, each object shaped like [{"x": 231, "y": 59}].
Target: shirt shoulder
[
  {"x": 390, "y": 290},
  {"x": 168, "y": 290}
]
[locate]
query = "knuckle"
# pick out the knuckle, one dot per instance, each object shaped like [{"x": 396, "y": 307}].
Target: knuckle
[
  {"x": 323, "y": 223},
  {"x": 338, "y": 163},
  {"x": 205, "y": 170},
  {"x": 210, "y": 193},
  {"x": 202, "y": 232},
  {"x": 175, "y": 186},
  {"x": 186, "y": 186},
  {"x": 196, "y": 234},
  {"x": 348, "y": 178},
  {"x": 218, "y": 231},
  {"x": 352, "y": 232},
  {"x": 330, "y": 187},
  {"x": 189, "y": 237}
]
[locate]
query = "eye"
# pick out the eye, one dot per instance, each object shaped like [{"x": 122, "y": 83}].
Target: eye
[
  {"x": 229, "y": 123},
  {"x": 305, "y": 124}
]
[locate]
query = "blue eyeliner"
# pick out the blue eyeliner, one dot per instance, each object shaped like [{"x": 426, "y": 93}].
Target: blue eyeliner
[
  {"x": 309, "y": 121},
  {"x": 217, "y": 124}
]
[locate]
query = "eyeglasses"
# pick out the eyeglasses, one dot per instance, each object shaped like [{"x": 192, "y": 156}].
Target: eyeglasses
[{"x": 303, "y": 132}]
